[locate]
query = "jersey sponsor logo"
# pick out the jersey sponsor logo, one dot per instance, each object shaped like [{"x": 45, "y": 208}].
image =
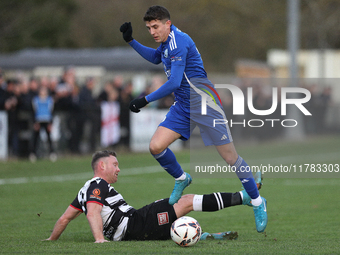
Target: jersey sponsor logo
[
  {"x": 95, "y": 194},
  {"x": 163, "y": 218},
  {"x": 173, "y": 59}
]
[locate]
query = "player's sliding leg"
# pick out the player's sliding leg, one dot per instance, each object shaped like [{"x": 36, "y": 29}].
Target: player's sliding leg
[
  {"x": 210, "y": 203},
  {"x": 160, "y": 141},
  {"x": 217, "y": 201}
]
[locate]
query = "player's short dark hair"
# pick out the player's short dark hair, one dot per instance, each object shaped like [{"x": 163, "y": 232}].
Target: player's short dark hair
[
  {"x": 156, "y": 12},
  {"x": 101, "y": 154}
]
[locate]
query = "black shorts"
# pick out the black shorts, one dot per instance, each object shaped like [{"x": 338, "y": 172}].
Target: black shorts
[{"x": 151, "y": 222}]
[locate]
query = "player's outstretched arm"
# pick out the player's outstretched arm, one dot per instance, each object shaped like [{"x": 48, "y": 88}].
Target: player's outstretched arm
[
  {"x": 62, "y": 223},
  {"x": 150, "y": 54}
]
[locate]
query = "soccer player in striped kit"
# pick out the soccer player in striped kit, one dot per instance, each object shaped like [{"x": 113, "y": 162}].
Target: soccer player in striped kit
[
  {"x": 187, "y": 79},
  {"x": 112, "y": 219}
]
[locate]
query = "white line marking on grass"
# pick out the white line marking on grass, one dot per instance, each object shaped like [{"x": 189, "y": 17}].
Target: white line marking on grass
[
  {"x": 82, "y": 176},
  {"x": 310, "y": 158}
]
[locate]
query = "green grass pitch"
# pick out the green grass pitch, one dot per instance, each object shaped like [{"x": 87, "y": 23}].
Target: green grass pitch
[{"x": 303, "y": 213}]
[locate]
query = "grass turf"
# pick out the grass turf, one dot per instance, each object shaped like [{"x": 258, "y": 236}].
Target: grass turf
[{"x": 303, "y": 213}]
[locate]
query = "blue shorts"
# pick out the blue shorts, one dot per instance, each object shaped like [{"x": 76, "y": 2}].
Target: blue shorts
[{"x": 213, "y": 126}]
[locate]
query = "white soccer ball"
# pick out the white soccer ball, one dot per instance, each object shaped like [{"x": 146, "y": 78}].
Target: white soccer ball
[{"x": 185, "y": 231}]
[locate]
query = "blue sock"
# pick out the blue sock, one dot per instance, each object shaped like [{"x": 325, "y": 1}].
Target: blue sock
[
  {"x": 245, "y": 175},
  {"x": 168, "y": 161}
]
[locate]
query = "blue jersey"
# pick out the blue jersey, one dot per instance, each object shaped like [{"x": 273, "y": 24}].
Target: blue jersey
[
  {"x": 181, "y": 61},
  {"x": 188, "y": 80}
]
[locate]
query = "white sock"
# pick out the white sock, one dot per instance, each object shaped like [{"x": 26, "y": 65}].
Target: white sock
[
  {"x": 241, "y": 194},
  {"x": 181, "y": 178},
  {"x": 257, "y": 201},
  {"x": 197, "y": 203}
]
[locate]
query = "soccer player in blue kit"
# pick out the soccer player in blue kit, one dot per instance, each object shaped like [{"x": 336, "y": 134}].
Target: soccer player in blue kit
[{"x": 187, "y": 79}]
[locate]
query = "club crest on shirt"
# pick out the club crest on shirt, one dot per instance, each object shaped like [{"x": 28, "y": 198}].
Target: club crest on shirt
[
  {"x": 173, "y": 59},
  {"x": 166, "y": 53}
]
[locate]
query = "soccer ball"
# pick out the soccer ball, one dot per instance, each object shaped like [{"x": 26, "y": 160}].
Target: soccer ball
[{"x": 185, "y": 231}]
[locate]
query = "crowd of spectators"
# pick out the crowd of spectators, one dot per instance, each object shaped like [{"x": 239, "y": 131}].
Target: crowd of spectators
[
  {"x": 76, "y": 105},
  {"x": 79, "y": 112}
]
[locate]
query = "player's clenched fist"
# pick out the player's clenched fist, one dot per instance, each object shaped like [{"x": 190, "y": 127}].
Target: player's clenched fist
[
  {"x": 126, "y": 29},
  {"x": 138, "y": 103}
]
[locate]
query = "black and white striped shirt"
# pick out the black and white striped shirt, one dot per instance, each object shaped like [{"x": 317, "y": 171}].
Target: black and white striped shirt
[{"x": 115, "y": 212}]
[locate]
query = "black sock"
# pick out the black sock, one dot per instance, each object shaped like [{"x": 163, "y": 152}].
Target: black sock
[{"x": 217, "y": 201}]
